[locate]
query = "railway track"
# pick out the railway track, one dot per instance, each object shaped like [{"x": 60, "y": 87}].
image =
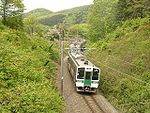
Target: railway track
[
  {"x": 92, "y": 104},
  {"x": 90, "y": 101},
  {"x": 82, "y": 102}
]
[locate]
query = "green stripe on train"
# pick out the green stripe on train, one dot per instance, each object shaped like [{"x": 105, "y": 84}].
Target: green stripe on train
[{"x": 87, "y": 82}]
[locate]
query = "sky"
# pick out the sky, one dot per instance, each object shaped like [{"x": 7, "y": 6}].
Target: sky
[{"x": 54, "y": 5}]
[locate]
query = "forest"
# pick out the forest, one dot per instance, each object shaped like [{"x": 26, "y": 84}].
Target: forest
[{"x": 118, "y": 29}]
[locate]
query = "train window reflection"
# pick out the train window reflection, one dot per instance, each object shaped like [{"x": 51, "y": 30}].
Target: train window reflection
[
  {"x": 95, "y": 74},
  {"x": 88, "y": 76},
  {"x": 81, "y": 73}
]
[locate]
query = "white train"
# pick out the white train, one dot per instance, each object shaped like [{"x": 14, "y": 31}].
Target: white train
[{"x": 85, "y": 74}]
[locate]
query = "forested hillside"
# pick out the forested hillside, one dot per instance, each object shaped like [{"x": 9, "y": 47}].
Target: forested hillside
[
  {"x": 76, "y": 15},
  {"x": 38, "y": 12},
  {"x": 120, "y": 32},
  {"x": 70, "y": 16},
  {"x": 53, "y": 19}
]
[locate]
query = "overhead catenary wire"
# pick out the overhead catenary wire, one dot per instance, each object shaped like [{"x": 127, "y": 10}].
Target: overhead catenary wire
[
  {"x": 116, "y": 58},
  {"x": 121, "y": 72},
  {"x": 126, "y": 62},
  {"x": 130, "y": 76}
]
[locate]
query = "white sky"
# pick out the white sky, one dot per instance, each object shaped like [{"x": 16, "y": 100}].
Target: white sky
[{"x": 54, "y": 5}]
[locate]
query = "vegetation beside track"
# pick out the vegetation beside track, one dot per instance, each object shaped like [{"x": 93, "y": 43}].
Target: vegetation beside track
[
  {"x": 123, "y": 57},
  {"x": 25, "y": 64}
]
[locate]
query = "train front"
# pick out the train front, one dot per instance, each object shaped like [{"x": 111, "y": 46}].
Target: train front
[{"x": 87, "y": 79}]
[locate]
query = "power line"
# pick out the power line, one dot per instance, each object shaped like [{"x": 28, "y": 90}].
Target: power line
[
  {"x": 123, "y": 73},
  {"x": 126, "y": 61}
]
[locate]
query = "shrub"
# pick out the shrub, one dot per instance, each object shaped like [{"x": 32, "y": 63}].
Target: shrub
[{"x": 25, "y": 65}]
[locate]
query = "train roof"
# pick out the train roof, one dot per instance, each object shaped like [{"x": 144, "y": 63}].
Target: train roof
[
  {"x": 76, "y": 54},
  {"x": 81, "y": 60}
]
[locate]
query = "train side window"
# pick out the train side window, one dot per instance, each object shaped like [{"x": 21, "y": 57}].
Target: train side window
[
  {"x": 95, "y": 74},
  {"x": 80, "y": 73}
]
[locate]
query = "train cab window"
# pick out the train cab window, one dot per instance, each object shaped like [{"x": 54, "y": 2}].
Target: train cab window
[
  {"x": 95, "y": 74},
  {"x": 88, "y": 76},
  {"x": 80, "y": 73}
]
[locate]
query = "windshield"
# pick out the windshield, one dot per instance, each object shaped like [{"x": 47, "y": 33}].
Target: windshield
[
  {"x": 95, "y": 74},
  {"x": 80, "y": 73},
  {"x": 88, "y": 76}
]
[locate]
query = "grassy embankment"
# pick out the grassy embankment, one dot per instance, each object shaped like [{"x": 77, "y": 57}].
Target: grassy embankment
[
  {"x": 27, "y": 72},
  {"x": 124, "y": 58}
]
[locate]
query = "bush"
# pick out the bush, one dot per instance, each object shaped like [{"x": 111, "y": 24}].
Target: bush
[
  {"x": 128, "y": 27},
  {"x": 27, "y": 72}
]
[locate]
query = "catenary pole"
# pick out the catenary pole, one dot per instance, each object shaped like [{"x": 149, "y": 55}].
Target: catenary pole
[{"x": 62, "y": 59}]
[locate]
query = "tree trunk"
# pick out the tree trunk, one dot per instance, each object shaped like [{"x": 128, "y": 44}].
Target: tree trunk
[{"x": 4, "y": 12}]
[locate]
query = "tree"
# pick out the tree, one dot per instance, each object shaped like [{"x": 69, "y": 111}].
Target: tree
[
  {"x": 78, "y": 29},
  {"x": 70, "y": 20},
  {"x": 11, "y": 12},
  {"x": 32, "y": 25},
  {"x": 101, "y": 19},
  {"x": 131, "y": 9}
]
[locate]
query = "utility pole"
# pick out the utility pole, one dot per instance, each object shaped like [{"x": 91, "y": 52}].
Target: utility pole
[{"x": 62, "y": 58}]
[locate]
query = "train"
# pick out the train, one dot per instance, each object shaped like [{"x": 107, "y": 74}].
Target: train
[{"x": 85, "y": 74}]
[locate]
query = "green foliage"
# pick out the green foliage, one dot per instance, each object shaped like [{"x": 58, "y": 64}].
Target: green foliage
[
  {"x": 128, "y": 26},
  {"x": 32, "y": 26},
  {"x": 125, "y": 77},
  {"x": 76, "y": 15},
  {"x": 105, "y": 16},
  {"x": 15, "y": 22},
  {"x": 101, "y": 19},
  {"x": 131, "y": 9},
  {"x": 80, "y": 29},
  {"x": 76, "y": 9},
  {"x": 11, "y": 12},
  {"x": 27, "y": 74},
  {"x": 2, "y": 27},
  {"x": 52, "y": 19}
]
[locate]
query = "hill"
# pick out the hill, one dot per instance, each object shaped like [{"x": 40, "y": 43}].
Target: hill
[
  {"x": 84, "y": 9},
  {"x": 124, "y": 60},
  {"x": 38, "y": 12},
  {"x": 75, "y": 15},
  {"x": 53, "y": 19}
]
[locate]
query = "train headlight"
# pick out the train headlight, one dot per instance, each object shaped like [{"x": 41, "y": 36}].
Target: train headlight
[
  {"x": 80, "y": 81},
  {"x": 95, "y": 82}
]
